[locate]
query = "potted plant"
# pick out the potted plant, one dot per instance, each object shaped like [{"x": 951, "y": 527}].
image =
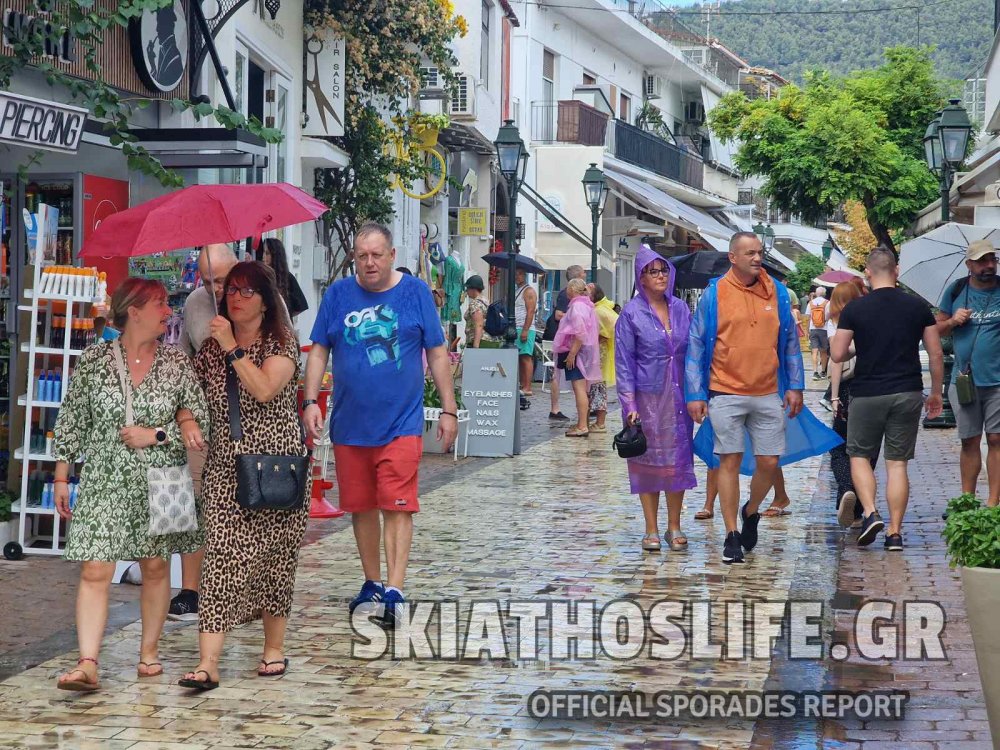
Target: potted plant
[
  {"x": 972, "y": 534},
  {"x": 432, "y": 400},
  {"x": 426, "y": 128},
  {"x": 8, "y": 526}
]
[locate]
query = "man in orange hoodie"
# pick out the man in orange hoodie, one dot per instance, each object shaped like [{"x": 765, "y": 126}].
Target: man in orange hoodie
[{"x": 745, "y": 360}]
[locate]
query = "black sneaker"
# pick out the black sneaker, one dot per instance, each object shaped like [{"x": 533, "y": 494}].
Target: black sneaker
[
  {"x": 732, "y": 551},
  {"x": 557, "y": 415},
  {"x": 184, "y": 606},
  {"x": 870, "y": 527},
  {"x": 748, "y": 534},
  {"x": 894, "y": 542}
]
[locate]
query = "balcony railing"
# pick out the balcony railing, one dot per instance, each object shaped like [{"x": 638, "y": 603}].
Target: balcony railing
[
  {"x": 651, "y": 152},
  {"x": 568, "y": 121}
]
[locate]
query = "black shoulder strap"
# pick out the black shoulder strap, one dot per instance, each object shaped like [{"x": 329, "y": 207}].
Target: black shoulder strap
[
  {"x": 233, "y": 396},
  {"x": 957, "y": 287}
]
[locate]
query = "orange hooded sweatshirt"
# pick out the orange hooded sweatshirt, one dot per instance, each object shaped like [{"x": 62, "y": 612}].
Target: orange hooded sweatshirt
[{"x": 745, "y": 361}]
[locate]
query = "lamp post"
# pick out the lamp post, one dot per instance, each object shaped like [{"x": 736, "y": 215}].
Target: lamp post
[
  {"x": 945, "y": 142},
  {"x": 595, "y": 190},
  {"x": 827, "y": 250},
  {"x": 766, "y": 237},
  {"x": 513, "y": 160}
]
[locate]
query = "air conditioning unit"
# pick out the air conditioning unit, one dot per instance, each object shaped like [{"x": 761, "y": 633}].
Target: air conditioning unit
[
  {"x": 694, "y": 113},
  {"x": 430, "y": 78},
  {"x": 463, "y": 100},
  {"x": 652, "y": 86}
]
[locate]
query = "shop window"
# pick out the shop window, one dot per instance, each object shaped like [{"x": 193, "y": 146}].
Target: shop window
[{"x": 255, "y": 91}]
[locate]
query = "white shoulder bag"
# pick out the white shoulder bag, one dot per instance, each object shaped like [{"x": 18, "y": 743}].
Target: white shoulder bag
[{"x": 172, "y": 508}]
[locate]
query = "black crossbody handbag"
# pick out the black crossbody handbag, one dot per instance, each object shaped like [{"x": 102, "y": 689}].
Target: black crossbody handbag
[{"x": 264, "y": 482}]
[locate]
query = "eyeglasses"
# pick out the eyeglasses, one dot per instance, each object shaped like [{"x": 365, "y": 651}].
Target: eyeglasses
[
  {"x": 654, "y": 272},
  {"x": 245, "y": 291}
]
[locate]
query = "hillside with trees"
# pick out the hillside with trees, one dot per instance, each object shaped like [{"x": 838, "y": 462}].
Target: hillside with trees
[{"x": 850, "y": 39}]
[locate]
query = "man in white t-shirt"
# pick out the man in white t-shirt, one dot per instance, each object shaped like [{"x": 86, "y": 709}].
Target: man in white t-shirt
[{"x": 819, "y": 341}]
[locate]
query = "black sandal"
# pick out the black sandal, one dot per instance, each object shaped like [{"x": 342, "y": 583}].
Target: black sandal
[
  {"x": 201, "y": 685},
  {"x": 264, "y": 673}
]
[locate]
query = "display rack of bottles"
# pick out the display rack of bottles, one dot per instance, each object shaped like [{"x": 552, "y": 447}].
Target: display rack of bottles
[{"x": 60, "y": 330}]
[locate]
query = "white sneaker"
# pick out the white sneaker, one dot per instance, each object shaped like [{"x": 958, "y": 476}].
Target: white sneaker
[{"x": 845, "y": 513}]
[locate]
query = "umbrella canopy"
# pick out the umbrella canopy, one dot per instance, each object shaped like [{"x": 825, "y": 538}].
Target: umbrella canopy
[
  {"x": 695, "y": 270},
  {"x": 502, "y": 260},
  {"x": 929, "y": 263},
  {"x": 201, "y": 215},
  {"x": 832, "y": 278}
]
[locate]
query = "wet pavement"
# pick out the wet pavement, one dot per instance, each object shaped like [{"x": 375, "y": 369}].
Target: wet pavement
[{"x": 555, "y": 523}]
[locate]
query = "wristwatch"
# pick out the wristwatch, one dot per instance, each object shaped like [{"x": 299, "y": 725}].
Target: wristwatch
[
  {"x": 161, "y": 436},
  {"x": 235, "y": 354},
  {"x": 308, "y": 402}
]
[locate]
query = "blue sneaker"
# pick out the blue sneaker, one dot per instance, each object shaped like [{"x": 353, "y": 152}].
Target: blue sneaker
[
  {"x": 370, "y": 596},
  {"x": 391, "y": 600}
]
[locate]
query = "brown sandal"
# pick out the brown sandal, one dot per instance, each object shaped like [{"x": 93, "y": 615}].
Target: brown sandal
[
  {"x": 704, "y": 515},
  {"x": 86, "y": 685},
  {"x": 577, "y": 432},
  {"x": 149, "y": 665}
]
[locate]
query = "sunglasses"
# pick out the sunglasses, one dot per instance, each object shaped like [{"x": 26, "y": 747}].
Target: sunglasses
[{"x": 244, "y": 291}]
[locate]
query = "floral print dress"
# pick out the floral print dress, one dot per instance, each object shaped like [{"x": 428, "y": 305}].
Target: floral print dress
[{"x": 111, "y": 516}]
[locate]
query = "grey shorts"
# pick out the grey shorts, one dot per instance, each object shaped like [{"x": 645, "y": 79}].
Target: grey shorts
[
  {"x": 763, "y": 417},
  {"x": 895, "y": 417},
  {"x": 982, "y": 415},
  {"x": 818, "y": 339}
]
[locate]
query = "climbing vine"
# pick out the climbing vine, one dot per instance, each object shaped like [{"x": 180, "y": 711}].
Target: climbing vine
[
  {"x": 90, "y": 21},
  {"x": 385, "y": 44}
]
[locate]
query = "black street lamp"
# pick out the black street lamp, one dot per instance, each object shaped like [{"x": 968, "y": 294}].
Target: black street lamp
[
  {"x": 945, "y": 143},
  {"x": 595, "y": 189},
  {"x": 513, "y": 159},
  {"x": 765, "y": 235}
]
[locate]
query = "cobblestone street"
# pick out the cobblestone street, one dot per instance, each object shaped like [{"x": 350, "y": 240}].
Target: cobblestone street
[{"x": 554, "y": 523}]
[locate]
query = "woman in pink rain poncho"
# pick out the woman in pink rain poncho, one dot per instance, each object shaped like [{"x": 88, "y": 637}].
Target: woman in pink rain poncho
[
  {"x": 576, "y": 347},
  {"x": 651, "y": 339}
]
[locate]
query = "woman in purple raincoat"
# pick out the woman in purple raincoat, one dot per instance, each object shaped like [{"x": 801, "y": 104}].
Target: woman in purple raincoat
[{"x": 650, "y": 343}]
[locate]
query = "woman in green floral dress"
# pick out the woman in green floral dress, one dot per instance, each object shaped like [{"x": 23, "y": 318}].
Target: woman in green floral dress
[{"x": 110, "y": 520}]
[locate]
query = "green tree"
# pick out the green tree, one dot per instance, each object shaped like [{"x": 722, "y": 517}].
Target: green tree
[
  {"x": 807, "y": 268},
  {"x": 835, "y": 140}
]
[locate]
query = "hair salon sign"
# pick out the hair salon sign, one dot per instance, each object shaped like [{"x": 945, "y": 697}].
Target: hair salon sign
[{"x": 324, "y": 82}]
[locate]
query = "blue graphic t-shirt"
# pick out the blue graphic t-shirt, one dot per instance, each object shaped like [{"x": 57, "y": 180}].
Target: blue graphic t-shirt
[
  {"x": 377, "y": 341},
  {"x": 985, "y": 306}
]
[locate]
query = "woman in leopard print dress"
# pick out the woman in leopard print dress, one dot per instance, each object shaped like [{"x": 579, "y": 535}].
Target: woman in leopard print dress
[{"x": 250, "y": 555}]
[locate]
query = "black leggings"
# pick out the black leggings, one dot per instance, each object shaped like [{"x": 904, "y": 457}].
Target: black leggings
[{"x": 840, "y": 462}]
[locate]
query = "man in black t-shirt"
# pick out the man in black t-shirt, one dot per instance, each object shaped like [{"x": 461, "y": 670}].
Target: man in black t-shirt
[{"x": 886, "y": 328}]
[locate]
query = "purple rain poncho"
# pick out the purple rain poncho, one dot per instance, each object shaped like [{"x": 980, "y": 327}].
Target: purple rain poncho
[
  {"x": 649, "y": 368},
  {"x": 580, "y": 322}
]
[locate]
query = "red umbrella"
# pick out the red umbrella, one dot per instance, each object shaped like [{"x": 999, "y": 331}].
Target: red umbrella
[{"x": 201, "y": 215}]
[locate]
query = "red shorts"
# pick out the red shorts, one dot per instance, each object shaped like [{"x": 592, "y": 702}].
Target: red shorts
[{"x": 384, "y": 477}]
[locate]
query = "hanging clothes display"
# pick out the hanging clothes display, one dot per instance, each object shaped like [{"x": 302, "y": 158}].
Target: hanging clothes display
[{"x": 454, "y": 280}]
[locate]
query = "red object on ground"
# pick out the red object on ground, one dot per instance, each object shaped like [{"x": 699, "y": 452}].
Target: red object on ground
[
  {"x": 201, "y": 215},
  {"x": 318, "y": 505}
]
